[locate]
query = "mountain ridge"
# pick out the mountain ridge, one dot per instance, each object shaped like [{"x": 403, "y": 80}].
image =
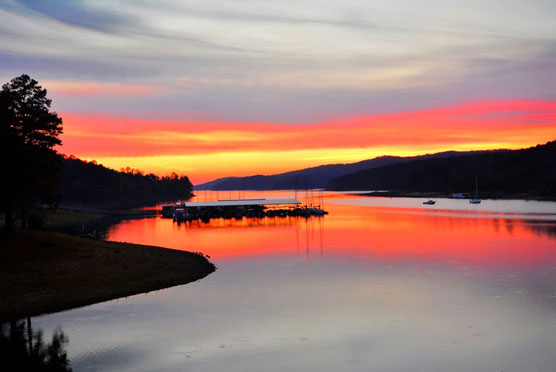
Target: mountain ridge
[
  {"x": 319, "y": 176},
  {"x": 530, "y": 171}
]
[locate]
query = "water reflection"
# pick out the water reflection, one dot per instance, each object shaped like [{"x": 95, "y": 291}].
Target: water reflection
[
  {"x": 367, "y": 287},
  {"x": 239, "y": 223},
  {"x": 22, "y": 349},
  {"x": 441, "y": 237}
]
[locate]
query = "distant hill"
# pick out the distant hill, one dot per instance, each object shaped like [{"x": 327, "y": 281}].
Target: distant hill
[
  {"x": 316, "y": 177},
  {"x": 529, "y": 171},
  {"x": 82, "y": 182}
]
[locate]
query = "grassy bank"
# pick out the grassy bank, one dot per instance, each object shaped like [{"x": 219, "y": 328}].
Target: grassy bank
[
  {"x": 42, "y": 272},
  {"x": 62, "y": 217},
  {"x": 86, "y": 222}
]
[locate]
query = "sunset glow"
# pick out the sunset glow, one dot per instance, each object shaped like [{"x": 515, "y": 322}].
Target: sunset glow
[
  {"x": 241, "y": 88},
  {"x": 259, "y": 185},
  {"x": 207, "y": 150}
]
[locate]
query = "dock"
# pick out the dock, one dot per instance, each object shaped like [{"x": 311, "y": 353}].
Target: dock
[{"x": 253, "y": 208}]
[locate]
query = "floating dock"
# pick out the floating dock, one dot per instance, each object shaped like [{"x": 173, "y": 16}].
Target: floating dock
[
  {"x": 241, "y": 203},
  {"x": 255, "y": 208}
]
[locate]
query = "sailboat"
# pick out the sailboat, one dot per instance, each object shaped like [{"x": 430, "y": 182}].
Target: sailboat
[
  {"x": 309, "y": 209},
  {"x": 476, "y": 199}
]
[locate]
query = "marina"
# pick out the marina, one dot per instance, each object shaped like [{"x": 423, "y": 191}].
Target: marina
[{"x": 239, "y": 208}]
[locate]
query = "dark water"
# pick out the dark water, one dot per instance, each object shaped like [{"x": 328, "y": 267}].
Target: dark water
[{"x": 376, "y": 285}]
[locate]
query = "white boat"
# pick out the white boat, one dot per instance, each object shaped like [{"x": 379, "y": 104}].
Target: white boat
[{"x": 430, "y": 202}]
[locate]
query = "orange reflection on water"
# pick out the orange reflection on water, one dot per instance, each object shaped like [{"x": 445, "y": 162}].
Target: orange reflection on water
[
  {"x": 410, "y": 234},
  {"x": 459, "y": 238}
]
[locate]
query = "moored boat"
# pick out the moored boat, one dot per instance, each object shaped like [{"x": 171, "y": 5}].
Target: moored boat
[{"x": 476, "y": 199}]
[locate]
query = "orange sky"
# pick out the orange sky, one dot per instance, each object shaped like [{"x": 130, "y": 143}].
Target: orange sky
[
  {"x": 208, "y": 150},
  {"x": 276, "y": 86}
]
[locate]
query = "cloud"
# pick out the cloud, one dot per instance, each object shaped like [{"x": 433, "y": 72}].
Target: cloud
[
  {"x": 89, "y": 88},
  {"x": 79, "y": 13},
  {"x": 288, "y": 61},
  {"x": 482, "y": 124}
]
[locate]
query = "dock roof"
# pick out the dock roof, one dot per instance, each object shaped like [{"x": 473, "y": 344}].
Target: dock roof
[{"x": 242, "y": 202}]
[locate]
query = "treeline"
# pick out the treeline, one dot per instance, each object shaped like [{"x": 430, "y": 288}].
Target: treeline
[
  {"x": 90, "y": 183},
  {"x": 527, "y": 172},
  {"x": 34, "y": 173},
  {"x": 315, "y": 177}
]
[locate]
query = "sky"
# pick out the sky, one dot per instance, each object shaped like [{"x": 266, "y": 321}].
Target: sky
[{"x": 230, "y": 88}]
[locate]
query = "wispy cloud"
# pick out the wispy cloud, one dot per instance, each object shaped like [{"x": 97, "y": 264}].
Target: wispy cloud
[
  {"x": 90, "y": 88},
  {"x": 76, "y": 13},
  {"x": 325, "y": 45},
  {"x": 286, "y": 61}
]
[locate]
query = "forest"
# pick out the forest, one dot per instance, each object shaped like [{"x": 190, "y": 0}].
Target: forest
[
  {"x": 82, "y": 182},
  {"x": 527, "y": 172}
]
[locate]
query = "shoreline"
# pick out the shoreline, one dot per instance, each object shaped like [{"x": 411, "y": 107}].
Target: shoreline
[
  {"x": 484, "y": 196},
  {"x": 47, "y": 272},
  {"x": 88, "y": 222}
]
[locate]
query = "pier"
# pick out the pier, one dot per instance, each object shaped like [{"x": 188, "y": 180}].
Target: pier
[{"x": 254, "y": 208}]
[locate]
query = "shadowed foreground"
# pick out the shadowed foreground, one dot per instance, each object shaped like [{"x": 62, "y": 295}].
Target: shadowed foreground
[{"x": 44, "y": 272}]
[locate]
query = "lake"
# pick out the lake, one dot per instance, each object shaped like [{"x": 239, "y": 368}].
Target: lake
[{"x": 379, "y": 284}]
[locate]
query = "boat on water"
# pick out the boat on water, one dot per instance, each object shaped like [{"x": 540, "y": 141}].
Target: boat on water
[
  {"x": 476, "y": 199},
  {"x": 308, "y": 211},
  {"x": 317, "y": 211},
  {"x": 430, "y": 202}
]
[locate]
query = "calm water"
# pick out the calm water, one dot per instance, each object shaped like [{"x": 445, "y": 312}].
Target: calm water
[{"x": 376, "y": 285}]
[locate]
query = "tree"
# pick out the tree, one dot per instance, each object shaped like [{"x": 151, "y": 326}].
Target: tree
[
  {"x": 28, "y": 133},
  {"x": 22, "y": 349}
]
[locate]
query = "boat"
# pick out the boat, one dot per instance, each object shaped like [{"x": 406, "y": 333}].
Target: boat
[
  {"x": 309, "y": 209},
  {"x": 307, "y": 212},
  {"x": 430, "y": 202},
  {"x": 475, "y": 200},
  {"x": 317, "y": 211}
]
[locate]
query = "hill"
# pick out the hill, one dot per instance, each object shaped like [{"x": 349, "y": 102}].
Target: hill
[
  {"x": 315, "y": 177},
  {"x": 526, "y": 172},
  {"x": 84, "y": 182}
]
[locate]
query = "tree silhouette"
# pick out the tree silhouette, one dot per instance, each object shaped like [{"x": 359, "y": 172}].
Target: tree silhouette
[
  {"x": 22, "y": 349},
  {"x": 90, "y": 183},
  {"x": 28, "y": 133}
]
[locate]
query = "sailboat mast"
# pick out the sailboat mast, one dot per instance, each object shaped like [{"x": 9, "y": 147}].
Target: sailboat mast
[
  {"x": 312, "y": 197},
  {"x": 296, "y": 187},
  {"x": 306, "y": 191}
]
